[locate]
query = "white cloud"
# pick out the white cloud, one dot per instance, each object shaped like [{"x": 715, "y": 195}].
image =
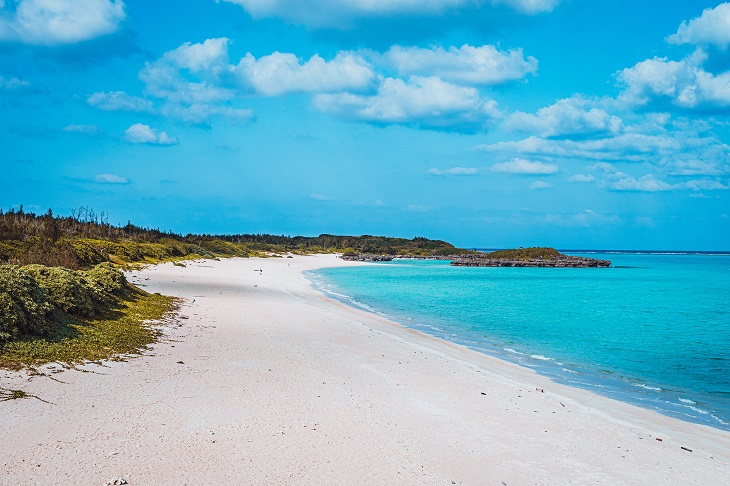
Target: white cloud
[
  {"x": 581, "y": 178},
  {"x": 88, "y": 130},
  {"x": 110, "y": 179},
  {"x": 139, "y": 133},
  {"x": 680, "y": 151},
  {"x": 522, "y": 166},
  {"x": 646, "y": 183},
  {"x": 712, "y": 27},
  {"x": 428, "y": 102},
  {"x": 209, "y": 55},
  {"x": 570, "y": 116},
  {"x": 168, "y": 77},
  {"x": 119, "y": 101},
  {"x": 620, "y": 181},
  {"x": 471, "y": 65},
  {"x": 458, "y": 171},
  {"x": 280, "y": 73},
  {"x": 201, "y": 113},
  {"x": 537, "y": 185},
  {"x": 703, "y": 185},
  {"x": 338, "y": 13},
  {"x": 682, "y": 83},
  {"x": 198, "y": 82},
  {"x": 12, "y": 83},
  {"x": 54, "y": 22},
  {"x": 195, "y": 82}
]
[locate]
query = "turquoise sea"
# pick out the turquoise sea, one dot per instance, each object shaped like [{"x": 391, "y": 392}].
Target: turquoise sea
[{"x": 653, "y": 330}]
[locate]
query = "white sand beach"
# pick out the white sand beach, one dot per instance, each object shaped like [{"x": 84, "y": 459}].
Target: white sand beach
[{"x": 265, "y": 380}]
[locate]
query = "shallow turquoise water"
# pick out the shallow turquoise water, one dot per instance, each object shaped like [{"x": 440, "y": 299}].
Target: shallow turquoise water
[{"x": 653, "y": 330}]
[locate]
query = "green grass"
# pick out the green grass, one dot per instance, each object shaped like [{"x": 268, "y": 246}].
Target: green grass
[
  {"x": 525, "y": 253},
  {"x": 123, "y": 330},
  {"x": 6, "y": 395}
]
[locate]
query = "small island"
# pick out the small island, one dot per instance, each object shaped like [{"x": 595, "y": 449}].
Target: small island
[{"x": 528, "y": 257}]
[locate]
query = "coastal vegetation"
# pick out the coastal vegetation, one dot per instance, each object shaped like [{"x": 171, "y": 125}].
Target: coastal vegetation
[
  {"x": 527, "y": 257},
  {"x": 525, "y": 253},
  {"x": 85, "y": 238},
  {"x": 63, "y": 297},
  {"x": 50, "y": 314}
]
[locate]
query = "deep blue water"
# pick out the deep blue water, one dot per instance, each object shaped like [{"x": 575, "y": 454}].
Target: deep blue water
[{"x": 653, "y": 330}]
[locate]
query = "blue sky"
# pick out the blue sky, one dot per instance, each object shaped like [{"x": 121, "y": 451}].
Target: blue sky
[{"x": 568, "y": 123}]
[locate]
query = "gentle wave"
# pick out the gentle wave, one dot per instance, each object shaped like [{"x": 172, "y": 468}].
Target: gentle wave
[
  {"x": 646, "y": 387},
  {"x": 454, "y": 310}
]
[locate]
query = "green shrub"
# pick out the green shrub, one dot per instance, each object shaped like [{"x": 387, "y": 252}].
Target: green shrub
[
  {"x": 107, "y": 278},
  {"x": 24, "y": 306},
  {"x": 86, "y": 250},
  {"x": 66, "y": 289},
  {"x": 224, "y": 247},
  {"x": 525, "y": 253}
]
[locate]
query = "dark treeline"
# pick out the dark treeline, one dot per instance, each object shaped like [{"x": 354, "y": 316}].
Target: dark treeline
[
  {"x": 85, "y": 222},
  {"x": 87, "y": 238}
]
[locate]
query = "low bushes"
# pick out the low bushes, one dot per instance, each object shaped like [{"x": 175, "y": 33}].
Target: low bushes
[
  {"x": 24, "y": 306},
  {"x": 34, "y": 298}
]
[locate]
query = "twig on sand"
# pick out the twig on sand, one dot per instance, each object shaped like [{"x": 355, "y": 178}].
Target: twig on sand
[{"x": 7, "y": 395}]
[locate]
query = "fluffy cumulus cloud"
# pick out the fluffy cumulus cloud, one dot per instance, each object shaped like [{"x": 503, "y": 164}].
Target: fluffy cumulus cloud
[
  {"x": 710, "y": 28},
  {"x": 281, "y": 73},
  {"x": 425, "y": 101},
  {"x": 483, "y": 65},
  {"x": 139, "y": 133},
  {"x": 198, "y": 81},
  {"x": 54, "y": 22},
  {"x": 565, "y": 118},
  {"x": 685, "y": 84},
  {"x": 193, "y": 83},
  {"x": 190, "y": 74},
  {"x": 522, "y": 166},
  {"x": 338, "y": 13},
  {"x": 119, "y": 101},
  {"x": 454, "y": 171}
]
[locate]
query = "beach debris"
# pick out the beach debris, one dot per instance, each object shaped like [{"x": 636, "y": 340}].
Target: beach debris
[
  {"x": 540, "y": 390},
  {"x": 180, "y": 362},
  {"x": 116, "y": 481},
  {"x": 483, "y": 393},
  {"x": 660, "y": 440},
  {"x": 685, "y": 449}
]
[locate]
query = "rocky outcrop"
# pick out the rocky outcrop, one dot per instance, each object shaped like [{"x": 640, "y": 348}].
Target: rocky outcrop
[
  {"x": 370, "y": 257},
  {"x": 562, "y": 261},
  {"x": 367, "y": 257}
]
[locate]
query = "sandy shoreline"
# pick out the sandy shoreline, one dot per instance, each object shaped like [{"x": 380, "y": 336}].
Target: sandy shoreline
[{"x": 264, "y": 380}]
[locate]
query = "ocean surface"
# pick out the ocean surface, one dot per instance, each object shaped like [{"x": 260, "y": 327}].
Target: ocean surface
[{"x": 652, "y": 330}]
